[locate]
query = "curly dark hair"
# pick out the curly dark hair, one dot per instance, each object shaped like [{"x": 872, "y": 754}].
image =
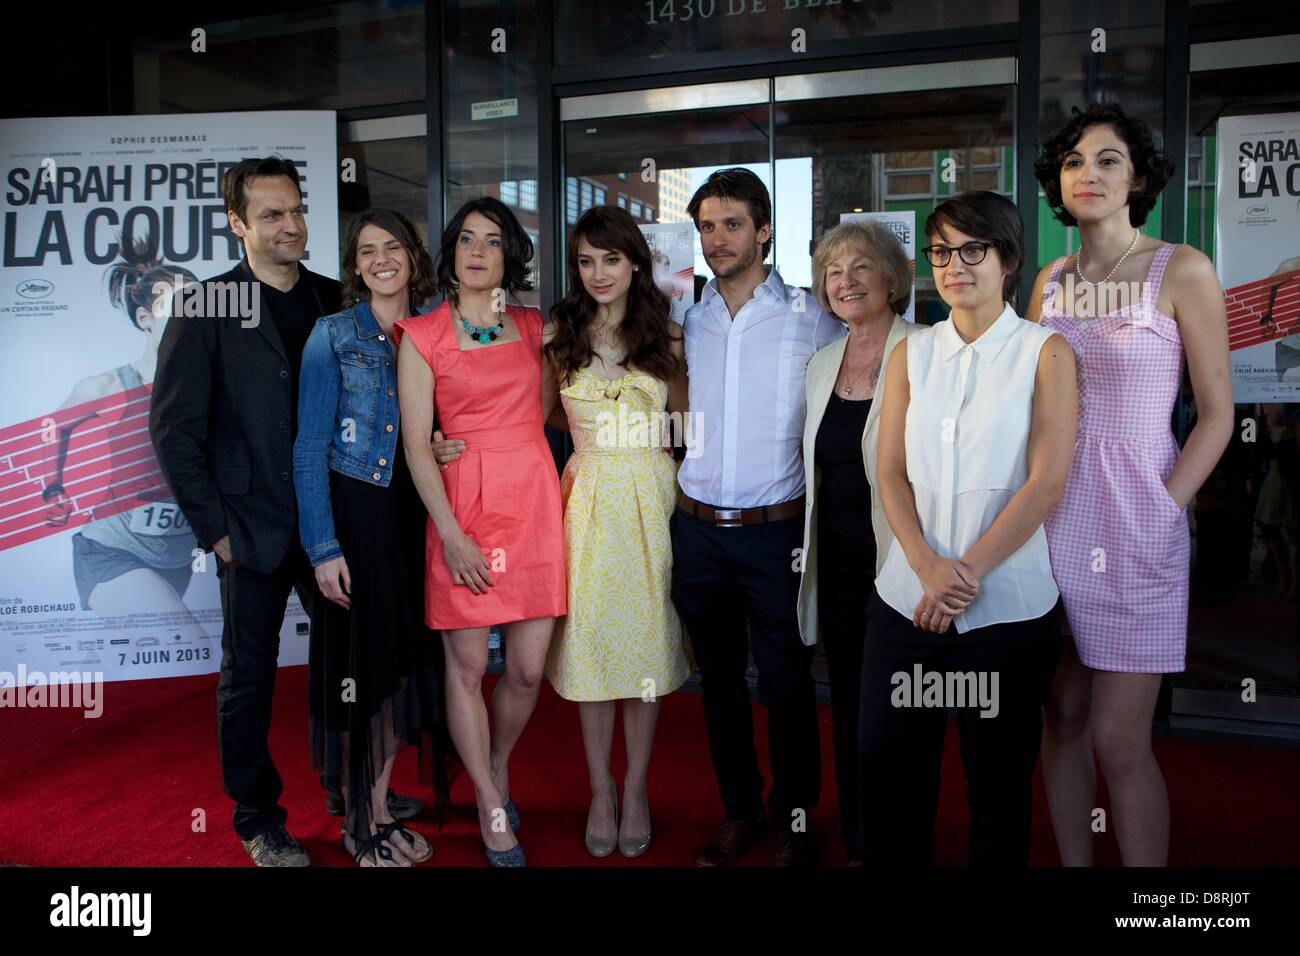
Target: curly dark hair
[
  {"x": 647, "y": 328},
  {"x": 421, "y": 286},
  {"x": 134, "y": 279},
  {"x": 515, "y": 245},
  {"x": 1151, "y": 168},
  {"x": 737, "y": 184}
]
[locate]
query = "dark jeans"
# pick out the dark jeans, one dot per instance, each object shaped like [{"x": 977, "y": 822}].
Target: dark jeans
[
  {"x": 253, "y": 605},
  {"x": 724, "y": 578},
  {"x": 902, "y": 746}
]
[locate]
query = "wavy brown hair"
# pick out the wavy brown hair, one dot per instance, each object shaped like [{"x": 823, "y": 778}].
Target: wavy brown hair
[
  {"x": 421, "y": 287},
  {"x": 647, "y": 330}
]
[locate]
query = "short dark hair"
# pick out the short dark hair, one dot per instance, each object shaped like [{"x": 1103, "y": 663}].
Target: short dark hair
[
  {"x": 421, "y": 286},
  {"x": 1151, "y": 167},
  {"x": 237, "y": 176},
  {"x": 739, "y": 185},
  {"x": 989, "y": 217},
  {"x": 515, "y": 244}
]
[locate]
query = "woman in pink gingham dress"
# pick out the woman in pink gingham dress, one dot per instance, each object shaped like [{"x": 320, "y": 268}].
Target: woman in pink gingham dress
[
  {"x": 1119, "y": 544},
  {"x": 1131, "y": 307}
]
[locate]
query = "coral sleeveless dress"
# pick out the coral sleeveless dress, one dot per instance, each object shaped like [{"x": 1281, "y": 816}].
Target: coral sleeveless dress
[
  {"x": 1119, "y": 544},
  {"x": 504, "y": 488}
]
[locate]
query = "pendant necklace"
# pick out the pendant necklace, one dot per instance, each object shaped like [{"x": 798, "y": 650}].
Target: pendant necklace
[
  {"x": 1078, "y": 261},
  {"x": 848, "y": 389},
  {"x": 481, "y": 333}
]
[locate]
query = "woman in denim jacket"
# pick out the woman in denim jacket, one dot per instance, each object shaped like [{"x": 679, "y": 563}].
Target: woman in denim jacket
[{"x": 375, "y": 669}]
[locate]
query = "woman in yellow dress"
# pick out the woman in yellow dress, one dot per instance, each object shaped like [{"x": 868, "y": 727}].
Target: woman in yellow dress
[{"x": 618, "y": 358}]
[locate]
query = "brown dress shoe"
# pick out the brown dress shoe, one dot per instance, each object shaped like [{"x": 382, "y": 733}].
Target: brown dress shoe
[
  {"x": 794, "y": 849},
  {"x": 730, "y": 843}
]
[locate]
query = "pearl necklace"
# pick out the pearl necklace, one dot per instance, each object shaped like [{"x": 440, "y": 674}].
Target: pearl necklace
[{"x": 1078, "y": 261}]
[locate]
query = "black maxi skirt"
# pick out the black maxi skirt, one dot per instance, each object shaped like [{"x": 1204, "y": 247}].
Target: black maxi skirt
[{"x": 381, "y": 645}]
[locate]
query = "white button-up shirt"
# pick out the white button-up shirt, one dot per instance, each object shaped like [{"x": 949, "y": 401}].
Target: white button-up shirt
[
  {"x": 746, "y": 391},
  {"x": 967, "y": 444}
]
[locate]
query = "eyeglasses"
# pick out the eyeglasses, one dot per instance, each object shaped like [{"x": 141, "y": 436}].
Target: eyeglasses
[{"x": 972, "y": 253}]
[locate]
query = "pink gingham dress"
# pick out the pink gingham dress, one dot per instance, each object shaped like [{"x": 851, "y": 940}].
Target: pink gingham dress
[{"x": 1118, "y": 543}]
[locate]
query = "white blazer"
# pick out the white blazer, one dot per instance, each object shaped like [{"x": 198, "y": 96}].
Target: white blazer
[{"x": 819, "y": 382}]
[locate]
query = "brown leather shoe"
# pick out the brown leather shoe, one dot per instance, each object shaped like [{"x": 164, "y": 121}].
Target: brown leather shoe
[
  {"x": 731, "y": 842},
  {"x": 794, "y": 849}
]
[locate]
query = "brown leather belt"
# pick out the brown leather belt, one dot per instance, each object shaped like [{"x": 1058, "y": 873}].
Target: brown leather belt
[{"x": 736, "y": 517}]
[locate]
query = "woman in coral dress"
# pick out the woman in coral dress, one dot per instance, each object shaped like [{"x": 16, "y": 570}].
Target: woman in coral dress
[
  {"x": 1131, "y": 307},
  {"x": 495, "y": 551}
]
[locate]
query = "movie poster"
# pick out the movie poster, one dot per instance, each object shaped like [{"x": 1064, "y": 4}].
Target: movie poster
[
  {"x": 903, "y": 225},
  {"x": 1257, "y": 251},
  {"x": 99, "y": 570},
  {"x": 672, "y": 247}
]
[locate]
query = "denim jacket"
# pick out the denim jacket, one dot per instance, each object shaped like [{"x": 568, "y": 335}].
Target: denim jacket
[{"x": 347, "y": 418}]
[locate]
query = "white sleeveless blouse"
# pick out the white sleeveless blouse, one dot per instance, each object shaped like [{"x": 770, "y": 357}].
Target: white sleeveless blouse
[{"x": 967, "y": 441}]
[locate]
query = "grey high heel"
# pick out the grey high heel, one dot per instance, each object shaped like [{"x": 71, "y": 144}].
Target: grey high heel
[
  {"x": 599, "y": 846},
  {"x": 634, "y": 846}
]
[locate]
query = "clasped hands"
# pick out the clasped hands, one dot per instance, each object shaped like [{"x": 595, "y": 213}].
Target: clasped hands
[{"x": 949, "y": 588}]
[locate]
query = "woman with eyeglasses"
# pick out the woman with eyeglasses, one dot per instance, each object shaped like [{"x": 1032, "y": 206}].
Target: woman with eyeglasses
[
  {"x": 975, "y": 433},
  {"x": 1119, "y": 539}
]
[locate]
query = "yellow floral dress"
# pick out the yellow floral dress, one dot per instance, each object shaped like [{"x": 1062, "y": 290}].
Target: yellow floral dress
[{"x": 622, "y": 637}]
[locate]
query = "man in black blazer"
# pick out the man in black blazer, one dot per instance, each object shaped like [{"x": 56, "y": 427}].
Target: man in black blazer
[{"x": 223, "y": 419}]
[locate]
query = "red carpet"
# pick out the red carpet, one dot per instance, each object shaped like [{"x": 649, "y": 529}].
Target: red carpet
[{"x": 123, "y": 790}]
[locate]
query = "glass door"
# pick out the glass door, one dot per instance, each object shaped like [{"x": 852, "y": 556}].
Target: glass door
[
  {"x": 894, "y": 139},
  {"x": 1244, "y": 612},
  {"x": 647, "y": 151}
]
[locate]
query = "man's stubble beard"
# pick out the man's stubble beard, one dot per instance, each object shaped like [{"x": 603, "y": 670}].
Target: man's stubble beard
[{"x": 742, "y": 262}]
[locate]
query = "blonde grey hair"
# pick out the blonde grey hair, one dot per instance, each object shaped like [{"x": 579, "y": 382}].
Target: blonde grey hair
[{"x": 880, "y": 245}]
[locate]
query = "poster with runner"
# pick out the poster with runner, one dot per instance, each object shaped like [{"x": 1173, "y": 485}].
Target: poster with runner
[
  {"x": 103, "y": 219},
  {"x": 672, "y": 247},
  {"x": 1257, "y": 252},
  {"x": 903, "y": 225}
]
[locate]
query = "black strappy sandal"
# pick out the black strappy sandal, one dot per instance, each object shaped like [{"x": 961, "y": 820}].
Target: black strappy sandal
[
  {"x": 386, "y": 830},
  {"x": 374, "y": 844}
]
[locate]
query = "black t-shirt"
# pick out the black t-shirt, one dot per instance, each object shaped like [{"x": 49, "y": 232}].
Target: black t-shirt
[{"x": 295, "y": 313}]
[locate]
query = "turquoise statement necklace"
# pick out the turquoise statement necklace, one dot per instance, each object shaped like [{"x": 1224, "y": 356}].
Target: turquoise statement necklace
[{"x": 481, "y": 333}]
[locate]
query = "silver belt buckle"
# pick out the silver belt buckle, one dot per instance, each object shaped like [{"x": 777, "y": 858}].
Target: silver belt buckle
[{"x": 720, "y": 516}]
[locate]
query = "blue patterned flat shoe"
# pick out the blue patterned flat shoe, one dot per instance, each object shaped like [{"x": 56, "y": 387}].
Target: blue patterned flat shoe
[{"x": 512, "y": 857}]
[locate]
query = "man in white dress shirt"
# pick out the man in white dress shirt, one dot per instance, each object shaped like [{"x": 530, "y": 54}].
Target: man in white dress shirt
[{"x": 738, "y": 526}]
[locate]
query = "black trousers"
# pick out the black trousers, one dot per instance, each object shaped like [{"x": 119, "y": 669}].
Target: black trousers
[
  {"x": 723, "y": 579},
  {"x": 902, "y": 744},
  {"x": 843, "y": 628},
  {"x": 253, "y": 606}
]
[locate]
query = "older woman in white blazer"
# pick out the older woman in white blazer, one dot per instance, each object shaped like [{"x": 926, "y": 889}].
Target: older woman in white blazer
[{"x": 862, "y": 276}]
